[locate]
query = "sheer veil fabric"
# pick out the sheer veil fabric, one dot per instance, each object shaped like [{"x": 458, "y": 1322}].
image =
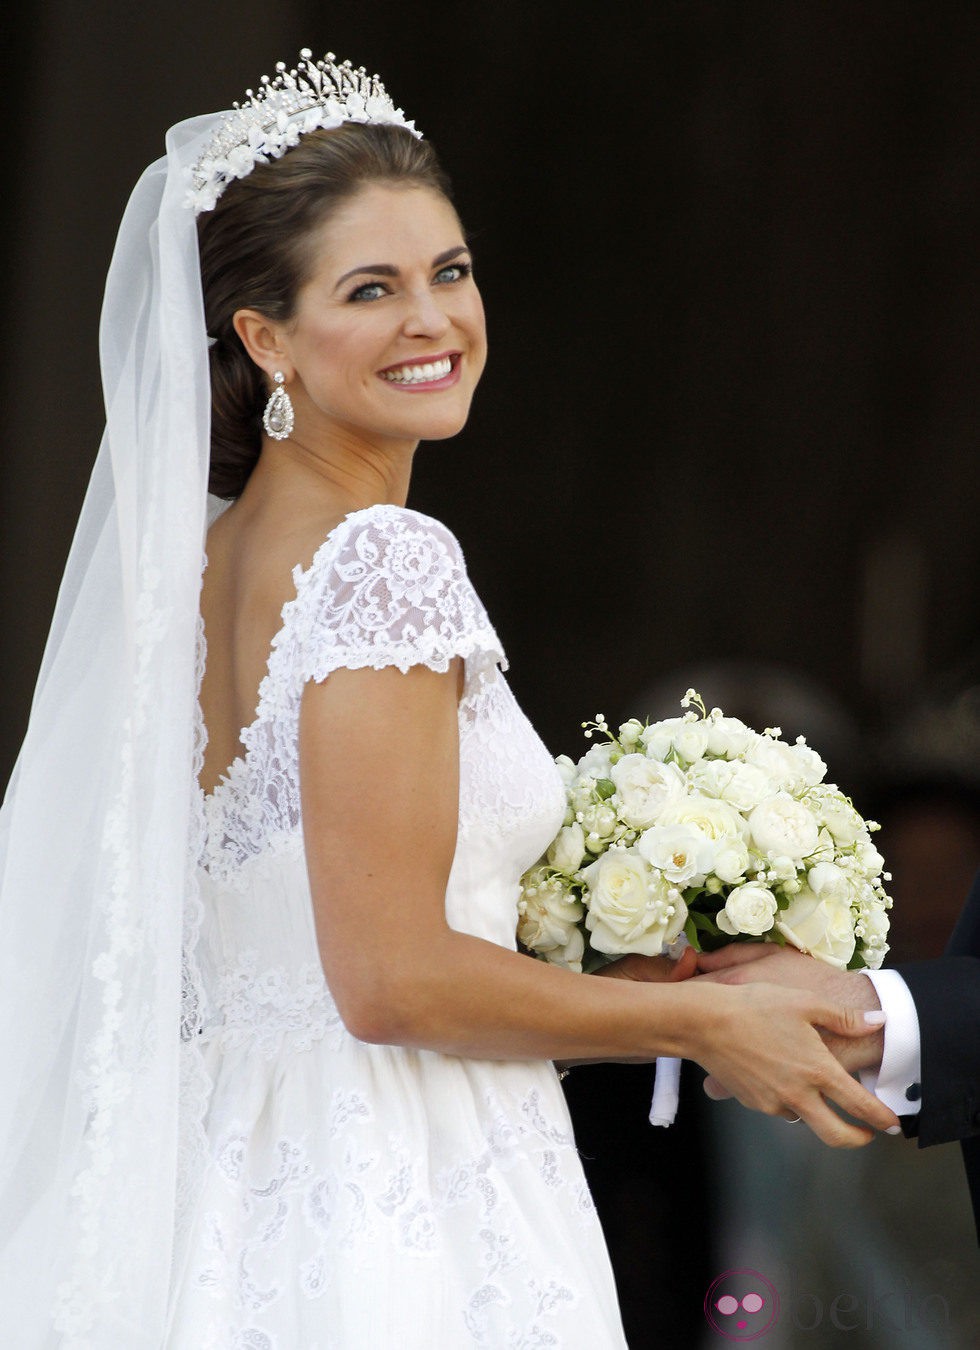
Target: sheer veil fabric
[{"x": 101, "y": 1091}]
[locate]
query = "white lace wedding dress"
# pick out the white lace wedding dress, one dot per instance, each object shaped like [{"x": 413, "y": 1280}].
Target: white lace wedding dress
[{"x": 371, "y": 1197}]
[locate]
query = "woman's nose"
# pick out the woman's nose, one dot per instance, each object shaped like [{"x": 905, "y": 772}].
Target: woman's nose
[{"x": 426, "y": 316}]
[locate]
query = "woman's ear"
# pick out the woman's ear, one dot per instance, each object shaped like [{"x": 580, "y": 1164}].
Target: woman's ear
[{"x": 260, "y": 338}]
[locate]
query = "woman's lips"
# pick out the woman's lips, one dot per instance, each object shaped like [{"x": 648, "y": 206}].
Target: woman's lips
[{"x": 431, "y": 372}]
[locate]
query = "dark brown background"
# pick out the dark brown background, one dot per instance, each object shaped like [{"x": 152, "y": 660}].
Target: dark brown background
[{"x": 729, "y": 256}]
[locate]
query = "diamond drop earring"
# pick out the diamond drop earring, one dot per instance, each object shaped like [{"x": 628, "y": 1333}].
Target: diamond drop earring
[{"x": 278, "y": 415}]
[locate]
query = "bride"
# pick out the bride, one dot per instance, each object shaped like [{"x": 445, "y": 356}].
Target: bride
[{"x": 280, "y": 1077}]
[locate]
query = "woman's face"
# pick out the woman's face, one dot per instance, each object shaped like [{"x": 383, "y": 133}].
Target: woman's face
[{"x": 388, "y": 340}]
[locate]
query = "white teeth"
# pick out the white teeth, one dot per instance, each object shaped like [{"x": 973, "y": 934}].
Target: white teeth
[{"x": 432, "y": 370}]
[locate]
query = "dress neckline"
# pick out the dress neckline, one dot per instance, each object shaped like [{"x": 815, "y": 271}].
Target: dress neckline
[{"x": 300, "y": 577}]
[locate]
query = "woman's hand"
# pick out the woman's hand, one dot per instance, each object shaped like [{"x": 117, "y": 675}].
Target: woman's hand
[
  {"x": 749, "y": 962},
  {"x": 769, "y": 1052}
]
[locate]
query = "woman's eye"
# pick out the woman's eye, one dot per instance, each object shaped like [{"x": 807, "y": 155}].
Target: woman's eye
[
  {"x": 454, "y": 272},
  {"x": 371, "y": 290}
]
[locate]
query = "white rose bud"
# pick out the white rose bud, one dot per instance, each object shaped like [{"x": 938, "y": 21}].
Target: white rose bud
[
  {"x": 749, "y": 909},
  {"x": 821, "y": 927},
  {"x": 599, "y": 823},
  {"x": 828, "y": 882},
  {"x": 567, "y": 852},
  {"x": 691, "y": 741},
  {"x": 630, "y": 908},
  {"x": 630, "y": 733},
  {"x": 731, "y": 861}
]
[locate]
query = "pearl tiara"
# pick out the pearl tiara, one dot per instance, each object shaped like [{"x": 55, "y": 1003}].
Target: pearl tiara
[{"x": 294, "y": 102}]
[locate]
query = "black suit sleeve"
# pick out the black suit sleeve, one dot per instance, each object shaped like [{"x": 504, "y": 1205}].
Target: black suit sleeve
[{"x": 946, "y": 992}]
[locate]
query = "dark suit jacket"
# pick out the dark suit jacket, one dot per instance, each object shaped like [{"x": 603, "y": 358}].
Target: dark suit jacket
[{"x": 947, "y": 1000}]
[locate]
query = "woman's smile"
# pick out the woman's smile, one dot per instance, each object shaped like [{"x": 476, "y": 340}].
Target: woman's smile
[{"x": 424, "y": 374}]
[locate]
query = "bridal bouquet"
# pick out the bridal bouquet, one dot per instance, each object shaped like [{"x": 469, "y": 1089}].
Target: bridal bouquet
[{"x": 699, "y": 830}]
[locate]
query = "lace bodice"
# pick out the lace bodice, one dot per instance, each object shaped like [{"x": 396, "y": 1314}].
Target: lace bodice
[{"x": 388, "y": 587}]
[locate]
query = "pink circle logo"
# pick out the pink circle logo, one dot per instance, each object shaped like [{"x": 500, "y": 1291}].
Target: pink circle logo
[{"x": 741, "y": 1305}]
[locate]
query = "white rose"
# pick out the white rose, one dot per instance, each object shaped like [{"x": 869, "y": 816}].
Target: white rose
[
  {"x": 567, "y": 852},
  {"x": 777, "y": 760},
  {"x": 597, "y": 761},
  {"x": 784, "y": 870},
  {"x": 629, "y": 908},
  {"x": 749, "y": 909},
  {"x": 658, "y": 739},
  {"x": 691, "y": 741},
  {"x": 782, "y": 826},
  {"x": 835, "y": 811},
  {"x": 714, "y": 818},
  {"x": 599, "y": 823},
  {"x": 630, "y": 732},
  {"x": 812, "y": 766},
  {"x": 728, "y": 737},
  {"x": 686, "y": 736},
  {"x": 731, "y": 861},
  {"x": 681, "y": 852},
  {"x": 870, "y": 860},
  {"x": 568, "y": 770},
  {"x": 828, "y": 882},
  {"x": 823, "y": 928},
  {"x": 746, "y": 787},
  {"x": 643, "y": 786},
  {"x": 548, "y": 919}
]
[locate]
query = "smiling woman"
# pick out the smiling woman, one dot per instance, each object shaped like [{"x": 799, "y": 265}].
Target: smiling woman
[
  {"x": 267, "y": 240},
  {"x": 284, "y": 812}
]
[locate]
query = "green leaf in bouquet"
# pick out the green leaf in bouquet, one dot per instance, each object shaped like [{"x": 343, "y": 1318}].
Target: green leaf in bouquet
[
  {"x": 691, "y": 932},
  {"x": 857, "y": 961},
  {"x": 605, "y": 788},
  {"x": 705, "y": 922}
]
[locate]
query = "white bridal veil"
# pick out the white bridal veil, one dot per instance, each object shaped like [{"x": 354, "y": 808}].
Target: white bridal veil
[{"x": 99, "y": 1098}]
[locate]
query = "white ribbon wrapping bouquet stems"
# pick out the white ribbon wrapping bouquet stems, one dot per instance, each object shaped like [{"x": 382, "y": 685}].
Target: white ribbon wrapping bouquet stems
[{"x": 666, "y": 1089}]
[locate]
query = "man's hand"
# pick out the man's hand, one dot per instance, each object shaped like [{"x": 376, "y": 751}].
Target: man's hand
[{"x": 652, "y": 969}]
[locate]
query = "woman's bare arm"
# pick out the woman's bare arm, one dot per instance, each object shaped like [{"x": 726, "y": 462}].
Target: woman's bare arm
[{"x": 379, "y": 768}]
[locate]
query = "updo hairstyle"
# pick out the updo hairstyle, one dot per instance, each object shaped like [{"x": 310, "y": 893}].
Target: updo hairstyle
[{"x": 256, "y": 253}]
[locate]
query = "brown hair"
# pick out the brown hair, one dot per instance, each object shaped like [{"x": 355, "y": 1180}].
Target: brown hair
[{"x": 255, "y": 255}]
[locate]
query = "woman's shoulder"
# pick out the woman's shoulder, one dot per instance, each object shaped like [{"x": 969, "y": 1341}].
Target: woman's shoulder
[
  {"x": 381, "y": 536},
  {"x": 388, "y": 585}
]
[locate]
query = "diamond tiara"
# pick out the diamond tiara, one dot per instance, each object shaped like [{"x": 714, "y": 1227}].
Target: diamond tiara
[{"x": 294, "y": 102}]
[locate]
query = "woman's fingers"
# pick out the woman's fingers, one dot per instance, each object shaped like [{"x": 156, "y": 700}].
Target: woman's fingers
[{"x": 780, "y": 1064}]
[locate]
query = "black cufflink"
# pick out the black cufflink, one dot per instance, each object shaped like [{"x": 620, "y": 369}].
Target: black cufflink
[{"x": 913, "y": 1092}]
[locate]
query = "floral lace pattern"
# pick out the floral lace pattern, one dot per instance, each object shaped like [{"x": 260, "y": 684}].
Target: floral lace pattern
[
  {"x": 389, "y": 1198},
  {"x": 388, "y": 587},
  {"x": 374, "y": 1195}
]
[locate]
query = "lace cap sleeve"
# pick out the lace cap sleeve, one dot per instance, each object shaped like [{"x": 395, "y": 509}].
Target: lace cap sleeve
[{"x": 389, "y": 588}]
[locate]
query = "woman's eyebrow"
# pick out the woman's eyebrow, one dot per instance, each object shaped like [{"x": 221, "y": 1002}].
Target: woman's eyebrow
[{"x": 387, "y": 270}]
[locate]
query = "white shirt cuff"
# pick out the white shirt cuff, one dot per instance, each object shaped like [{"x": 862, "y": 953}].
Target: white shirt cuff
[{"x": 901, "y": 1062}]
